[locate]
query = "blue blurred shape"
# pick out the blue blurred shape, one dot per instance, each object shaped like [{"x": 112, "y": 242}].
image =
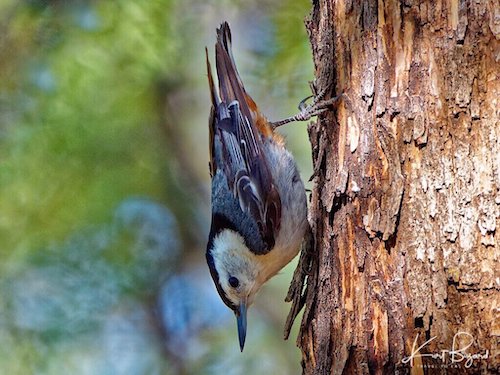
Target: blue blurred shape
[
  {"x": 70, "y": 288},
  {"x": 152, "y": 244},
  {"x": 86, "y": 17},
  {"x": 59, "y": 299},
  {"x": 188, "y": 305},
  {"x": 42, "y": 77}
]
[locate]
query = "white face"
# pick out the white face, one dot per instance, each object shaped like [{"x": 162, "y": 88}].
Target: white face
[{"x": 237, "y": 267}]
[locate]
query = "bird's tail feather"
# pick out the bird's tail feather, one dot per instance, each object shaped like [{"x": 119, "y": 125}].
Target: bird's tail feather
[
  {"x": 213, "y": 93},
  {"x": 230, "y": 85}
]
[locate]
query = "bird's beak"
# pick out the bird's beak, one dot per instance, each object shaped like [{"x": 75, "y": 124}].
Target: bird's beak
[{"x": 241, "y": 319}]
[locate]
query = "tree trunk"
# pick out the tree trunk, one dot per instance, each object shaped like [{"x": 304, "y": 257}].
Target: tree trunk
[{"x": 406, "y": 202}]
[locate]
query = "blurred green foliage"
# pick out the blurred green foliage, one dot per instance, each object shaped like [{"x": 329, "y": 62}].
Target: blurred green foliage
[
  {"x": 104, "y": 184},
  {"x": 85, "y": 134}
]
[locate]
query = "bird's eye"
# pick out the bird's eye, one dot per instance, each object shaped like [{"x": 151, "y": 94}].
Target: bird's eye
[{"x": 234, "y": 282}]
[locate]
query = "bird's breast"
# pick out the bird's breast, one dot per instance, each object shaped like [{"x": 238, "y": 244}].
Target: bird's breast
[{"x": 293, "y": 209}]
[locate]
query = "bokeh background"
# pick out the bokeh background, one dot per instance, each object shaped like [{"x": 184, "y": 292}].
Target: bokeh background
[{"x": 104, "y": 185}]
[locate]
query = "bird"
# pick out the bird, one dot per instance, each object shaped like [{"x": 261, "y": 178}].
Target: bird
[{"x": 259, "y": 205}]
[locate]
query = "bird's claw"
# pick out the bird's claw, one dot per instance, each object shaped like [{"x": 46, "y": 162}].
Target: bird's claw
[
  {"x": 302, "y": 105},
  {"x": 316, "y": 108}
]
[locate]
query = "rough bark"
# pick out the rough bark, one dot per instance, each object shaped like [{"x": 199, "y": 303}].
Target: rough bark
[{"x": 406, "y": 206}]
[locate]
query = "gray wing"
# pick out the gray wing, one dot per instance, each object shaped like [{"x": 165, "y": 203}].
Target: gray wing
[
  {"x": 243, "y": 189},
  {"x": 236, "y": 150}
]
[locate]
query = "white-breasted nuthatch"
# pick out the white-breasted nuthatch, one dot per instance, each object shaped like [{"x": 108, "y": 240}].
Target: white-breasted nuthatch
[{"x": 259, "y": 209}]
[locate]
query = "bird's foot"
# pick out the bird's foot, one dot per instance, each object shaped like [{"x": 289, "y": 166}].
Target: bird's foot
[{"x": 317, "y": 107}]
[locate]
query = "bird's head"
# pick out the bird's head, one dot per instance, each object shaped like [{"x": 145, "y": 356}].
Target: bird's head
[{"x": 236, "y": 273}]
